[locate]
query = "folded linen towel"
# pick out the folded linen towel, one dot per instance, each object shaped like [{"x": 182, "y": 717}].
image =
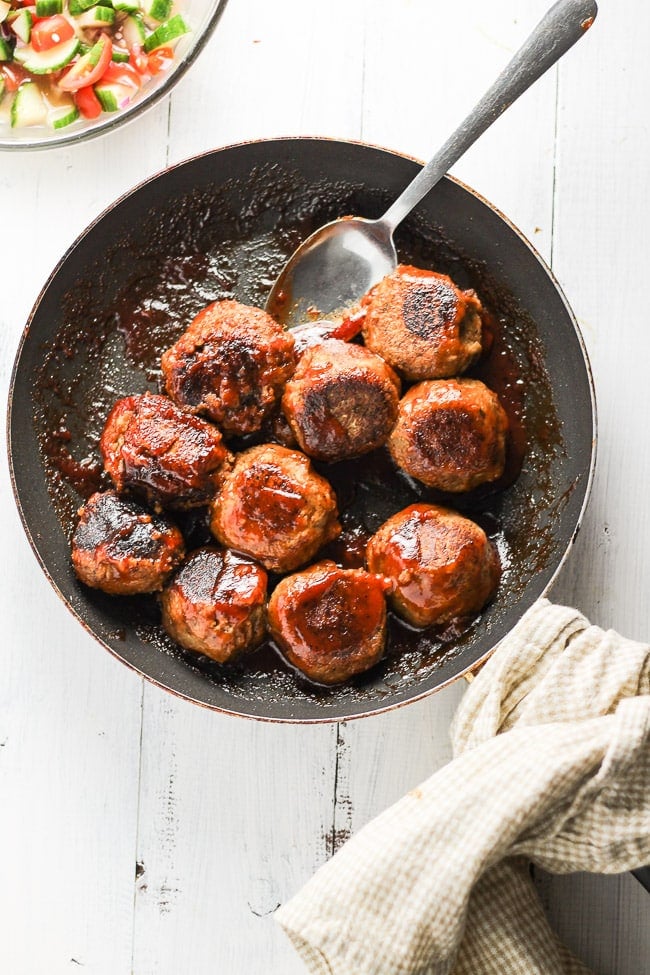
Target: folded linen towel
[{"x": 551, "y": 765}]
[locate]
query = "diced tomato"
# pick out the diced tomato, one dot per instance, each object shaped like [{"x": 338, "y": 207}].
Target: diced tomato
[
  {"x": 349, "y": 327},
  {"x": 122, "y": 74},
  {"x": 160, "y": 59},
  {"x": 87, "y": 102},
  {"x": 90, "y": 68},
  {"x": 51, "y": 31},
  {"x": 139, "y": 60},
  {"x": 13, "y": 75}
]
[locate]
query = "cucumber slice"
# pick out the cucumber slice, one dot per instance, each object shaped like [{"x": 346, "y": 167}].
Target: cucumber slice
[
  {"x": 47, "y": 8},
  {"x": 126, "y": 6},
  {"x": 120, "y": 55},
  {"x": 2, "y": 86},
  {"x": 45, "y": 62},
  {"x": 94, "y": 52},
  {"x": 96, "y": 17},
  {"x": 21, "y": 24},
  {"x": 78, "y": 6},
  {"x": 5, "y": 7},
  {"x": 157, "y": 9},
  {"x": 6, "y": 49},
  {"x": 133, "y": 31},
  {"x": 113, "y": 96},
  {"x": 167, "y": 33},
  {"x": 63, "y": 115},
  {"x": 28, "y": 107}
]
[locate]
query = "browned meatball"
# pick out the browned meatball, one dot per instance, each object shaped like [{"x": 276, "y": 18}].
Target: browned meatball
[
  {"x": 422, "y": 324},
  {"x": 450, "y": 434},
  {"x": 231, "y": 364},
  {"x": 443, "y": 566},
  {"x": 342, "y": 401},
  {"x": 275, "y": 507},
  {"x": 215, "y": 603},
  {"x": 329, "y": 622},
  {"x": 168, "y": 456},
  {"x": 121, "y": 548}
]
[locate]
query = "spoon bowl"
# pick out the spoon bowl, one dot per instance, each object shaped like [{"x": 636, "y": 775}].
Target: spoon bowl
[
  {"x": 332, "y": 269},
  {"x": 340, "y": 262}
]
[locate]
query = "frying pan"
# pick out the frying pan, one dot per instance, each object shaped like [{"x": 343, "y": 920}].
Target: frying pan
[{"x": 221, "y": 225}]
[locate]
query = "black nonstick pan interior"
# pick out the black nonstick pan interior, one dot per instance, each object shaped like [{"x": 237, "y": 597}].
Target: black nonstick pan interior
[{"x": 221, "y": 225}]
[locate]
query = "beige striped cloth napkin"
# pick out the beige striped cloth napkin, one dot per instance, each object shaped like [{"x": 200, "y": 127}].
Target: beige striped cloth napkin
[{"x": 551, "y": 765}]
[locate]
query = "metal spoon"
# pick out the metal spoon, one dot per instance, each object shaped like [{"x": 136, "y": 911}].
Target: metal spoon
[{"x": 338, "y": 263}]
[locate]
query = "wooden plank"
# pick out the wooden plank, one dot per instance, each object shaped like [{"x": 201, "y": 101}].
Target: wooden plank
[
  {"x": 379, "y": 759},
  {"x": 270, "y": 72},
  {"x": 442, "y": 66},
  {"x": 69, "y": 713},
  {"x": 233, "y": 819},
  {"x": 601, "y": 237}
]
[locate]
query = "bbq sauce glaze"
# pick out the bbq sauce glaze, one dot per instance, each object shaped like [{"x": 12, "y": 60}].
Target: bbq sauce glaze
[{"x": 110, "y": 346}]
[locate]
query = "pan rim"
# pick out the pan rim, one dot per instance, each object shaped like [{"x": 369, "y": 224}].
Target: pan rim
[{"x": 290, "y": 719}]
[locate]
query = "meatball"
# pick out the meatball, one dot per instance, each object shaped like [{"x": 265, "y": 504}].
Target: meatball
[
  {"x": 329, "y": 622},
  {"x": 214, "y": 605},
  {"x": 231, "y": 364},
  {"x": 121, "y": 548},
  {"x": 442, "y": 565},
  {"x": 450, "y": 434},
  {"x": 342, "y": 401},
  {"x": 422, "y": 324},
  {"x": 275, "y": 507},
  {"x": 168, "y": 456}
]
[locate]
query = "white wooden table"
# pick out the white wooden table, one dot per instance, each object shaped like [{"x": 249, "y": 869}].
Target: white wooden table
[{"x": 139, "y": 833}]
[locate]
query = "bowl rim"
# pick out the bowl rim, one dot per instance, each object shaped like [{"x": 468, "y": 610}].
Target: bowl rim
[
  {"x": 108, "y": 122},
  {"x": 326, "y": 718}
]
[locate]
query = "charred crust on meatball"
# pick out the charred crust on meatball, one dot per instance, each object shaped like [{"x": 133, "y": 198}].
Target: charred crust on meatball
[
  {"x": 423, "y": 324},
  {"x": 275, "y": 507},
  {"x": 341, "y": 402},
  {"x": 443, "y": 566},
  {"x": 215, "y": 604},
  {"x": 450, "y": 434},
  {"x": 121, "y": 548},
  {"x": 231, "y": 365},
  {"x": 426, "y": 312},
  {"x": 329, "y": 622},
  {"x": 162, "y": 453}
]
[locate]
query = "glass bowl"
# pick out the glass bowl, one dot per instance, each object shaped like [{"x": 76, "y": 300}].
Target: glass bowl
[{"x": 201, "y": 15}]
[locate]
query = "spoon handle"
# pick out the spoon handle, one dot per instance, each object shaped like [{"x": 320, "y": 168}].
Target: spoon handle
[{"x": 559, "y": 29}]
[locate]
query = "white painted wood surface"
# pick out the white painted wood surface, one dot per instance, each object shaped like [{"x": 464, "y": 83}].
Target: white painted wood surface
[{"x": 224, "y": 818}]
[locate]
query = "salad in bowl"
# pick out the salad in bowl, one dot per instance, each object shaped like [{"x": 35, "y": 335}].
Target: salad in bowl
[{"x": 73, "y": 67}]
